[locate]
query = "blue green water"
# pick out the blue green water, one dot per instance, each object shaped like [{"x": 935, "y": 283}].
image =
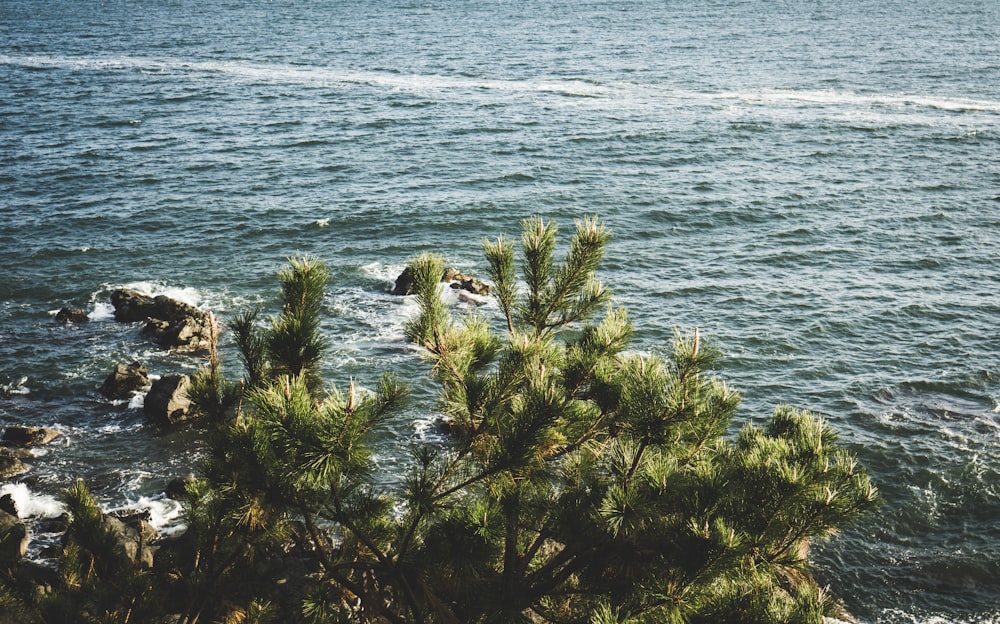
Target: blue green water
[{"x": 816, "y": 186}]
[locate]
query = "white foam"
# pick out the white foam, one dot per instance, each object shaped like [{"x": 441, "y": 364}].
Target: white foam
[
  {"x": 31, "y": 505},
  {"x": 16, "y": 387},
  {"x": 102, "y": 311},
  {"x": 187, "y": 295},
  {"x": 322, "y": 223}
]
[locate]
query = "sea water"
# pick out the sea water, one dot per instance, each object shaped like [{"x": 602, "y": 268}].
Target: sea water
[{"x": 816, "y": 186}]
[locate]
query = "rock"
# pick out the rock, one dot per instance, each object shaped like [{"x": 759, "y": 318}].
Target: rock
[
  {"x": 72, "y": 315},
  {"x": 173, "y": 324},
  {"x": 8, "y": 505},
  {"x": 132, "y": 306},
  {"x": 18, "y": 435},
  {"x": 177, "y": 488},
  {"x": 11, "y": 466},
  {"x": 167, "y": 402},
  {"x": 405, "y": 282},
  {"x": 13, "y": 540},
  {"x": 124, "y": 380},
  {"x": 130, "y": 542},
  {"x": 472, "y": 285}
]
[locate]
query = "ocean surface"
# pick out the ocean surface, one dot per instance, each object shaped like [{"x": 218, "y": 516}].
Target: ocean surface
[{"x": 814, "y": 185}]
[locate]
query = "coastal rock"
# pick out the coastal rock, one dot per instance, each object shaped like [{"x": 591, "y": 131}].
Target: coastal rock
[
  {"x": 472, "y": 285},
  {"x": 173, "y": 324},
  {"x": 8, "y": 504},
  {"x": 72, "y": 315},
  {"x": 11, "y": 466},
  {"x": 132, "y": 306},
  {"x": 124, "y": 380},
  {"x": 13, "y": 540},
  {"x": 167, "y": 402},
  {"x": 24, "y": 437},
  {"x": 405, "y": 282},
  {"x": 131, "y": 537}
]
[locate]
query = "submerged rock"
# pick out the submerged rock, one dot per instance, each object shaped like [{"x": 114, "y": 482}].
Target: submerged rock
[
  {"x": 124, "y": 380},
  {"x": 72, "y": 315},
  {"x": 167, "y": 402}
]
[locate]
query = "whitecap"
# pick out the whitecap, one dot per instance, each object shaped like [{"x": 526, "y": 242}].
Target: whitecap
[
  {"x": 103, "y": 311},
  {"x": 321, "y": 223},
  {"x": 30, "y": 504}
]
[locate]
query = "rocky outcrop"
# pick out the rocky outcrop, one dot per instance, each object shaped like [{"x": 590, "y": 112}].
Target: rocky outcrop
[
  {"x": 173, "y": 324},
  {"x": 132, "y": 535},
  {"x": 13, "y": 540},
  {"x": 24, "y": 437},
  {"x": 405, "y": 283},
  {"x": 471, "y": 285},
  {"x": 167, "y": 402},
  {"x": 10, "y": 465},
  {"x": 72, "y": 315},
  {"x": 125, "y": 380}
]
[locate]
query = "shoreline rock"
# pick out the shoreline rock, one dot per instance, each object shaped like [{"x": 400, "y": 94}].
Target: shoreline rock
[
  {"x": 173, "y": 324},
  {"x": 167, "y": 402},
  {"x": 405, "y": 282},
  {"x": 22, "y": 436},
  {"x": 125, "y": 380}
]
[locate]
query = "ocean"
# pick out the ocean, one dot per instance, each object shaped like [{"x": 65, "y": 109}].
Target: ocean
[{"x": 814, "y": 185}]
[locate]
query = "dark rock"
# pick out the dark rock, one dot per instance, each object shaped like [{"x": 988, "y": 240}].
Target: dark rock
[
  {"x": 405, "y": 283},
  {"x": 173, "y": 324},
  {"x": 124, "y": 380},
  {"x": 167, "y": 402},
  {"x": 8, "y": 505},
  {"x": 18, "y": 435},
  {"x": 472, "y": 285},
  {"x": 177, "y": 488},
  {"x": 132, "y": 306},
  {"x": 59, "y": 524},
  {"x": 72, "y": 315},
  {"x": 13, "y": 540}
]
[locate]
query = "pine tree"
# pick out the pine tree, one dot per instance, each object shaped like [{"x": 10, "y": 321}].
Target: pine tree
[{"x": 580, "y": 482}]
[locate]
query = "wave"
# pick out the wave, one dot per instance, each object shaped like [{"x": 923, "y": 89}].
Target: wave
[
  {"x": 32, "y": 504},
  {"x": 620, "y": 94}
]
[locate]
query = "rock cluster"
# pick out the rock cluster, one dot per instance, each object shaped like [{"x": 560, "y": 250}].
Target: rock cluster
[
  {"x": 405, "y": 282},
  {"x": 173, "y": 324}
]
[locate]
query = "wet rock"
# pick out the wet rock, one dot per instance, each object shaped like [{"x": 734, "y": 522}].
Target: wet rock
[
  {"x": 124, "y": 380},
  {"x": 11, "y": 466},
  {"x": 24, "y": 437},
  {"x": 167, "y": 402},
  {"x": 173, "y": 324},
  {"x": 72, "y": 315},
  {"x": 472, "y": 285},
  {"x": 405, "y": 283},
  {"x": 8, "y": 505}
]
